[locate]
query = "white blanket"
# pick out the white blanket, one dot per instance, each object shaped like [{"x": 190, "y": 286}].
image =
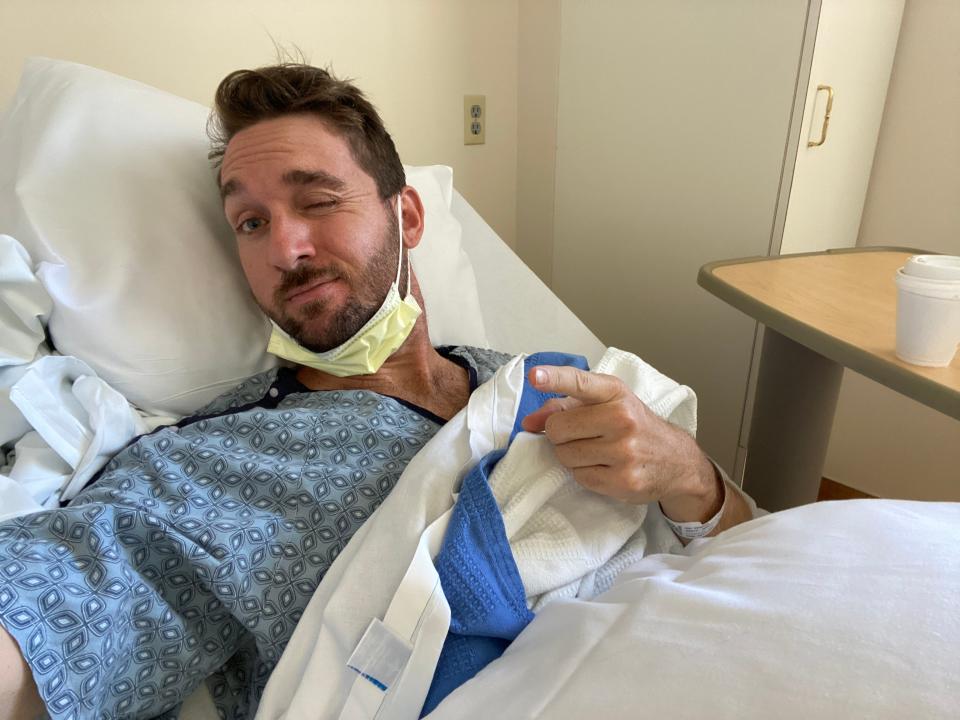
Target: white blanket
[
  {"x": 833, "y": 611},
  {"x": 563, "y": 538},
  {"x": 62, "y": 422}
]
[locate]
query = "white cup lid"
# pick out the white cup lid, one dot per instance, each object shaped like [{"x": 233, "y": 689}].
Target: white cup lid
[{"x": 934, "y": 267}]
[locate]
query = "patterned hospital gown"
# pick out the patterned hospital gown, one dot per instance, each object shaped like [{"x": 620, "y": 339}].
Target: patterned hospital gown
[{"x": 195, "y": 552}]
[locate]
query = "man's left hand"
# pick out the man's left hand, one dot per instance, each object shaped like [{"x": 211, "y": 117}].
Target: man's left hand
[{"x": 615, "y": 445}]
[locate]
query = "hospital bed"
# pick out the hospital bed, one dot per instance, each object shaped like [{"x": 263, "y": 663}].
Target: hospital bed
[{"x": 116, "y": 257}]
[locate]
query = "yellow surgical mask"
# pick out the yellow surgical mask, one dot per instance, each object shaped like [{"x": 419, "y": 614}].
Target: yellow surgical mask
[{"x": 369, "y": 348}]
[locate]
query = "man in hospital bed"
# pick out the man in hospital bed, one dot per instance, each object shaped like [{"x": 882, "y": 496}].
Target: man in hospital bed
[{"x": 148, "y": 587}]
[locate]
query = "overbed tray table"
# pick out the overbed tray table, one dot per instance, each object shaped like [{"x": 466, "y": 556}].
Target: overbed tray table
[{"x": 823, "y": 311}]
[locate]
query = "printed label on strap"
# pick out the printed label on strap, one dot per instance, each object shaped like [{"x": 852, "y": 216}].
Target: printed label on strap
[{"x": 380, "y": 656}]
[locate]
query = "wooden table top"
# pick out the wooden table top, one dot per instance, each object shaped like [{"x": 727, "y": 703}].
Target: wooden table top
[{"x": 843, "y": 305}]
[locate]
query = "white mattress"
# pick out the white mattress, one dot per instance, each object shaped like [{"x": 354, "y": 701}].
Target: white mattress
[{"x": 520, "y": 313}]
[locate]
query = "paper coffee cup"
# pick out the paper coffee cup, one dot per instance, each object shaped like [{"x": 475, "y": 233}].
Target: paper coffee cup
[{"x": 928, "y": 310}]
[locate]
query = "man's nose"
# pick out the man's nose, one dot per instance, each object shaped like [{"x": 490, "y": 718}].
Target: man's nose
[{"x": 290, "y": 242}]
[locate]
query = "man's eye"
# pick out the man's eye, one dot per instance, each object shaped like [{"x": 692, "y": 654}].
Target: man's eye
[
  {"x": 325, "y": 204},
  {"x": 251, "y": 225}
]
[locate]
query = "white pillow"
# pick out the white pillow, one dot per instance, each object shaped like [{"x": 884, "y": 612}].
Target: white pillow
[
  {"x": 105, "y": 181},
  {"x": 443, "y": 266}
]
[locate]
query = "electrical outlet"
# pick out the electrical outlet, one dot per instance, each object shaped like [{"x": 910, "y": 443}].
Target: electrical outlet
[{"x": 474, "y": 119}]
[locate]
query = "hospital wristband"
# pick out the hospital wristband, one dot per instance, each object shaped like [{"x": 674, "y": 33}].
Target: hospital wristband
[{"x": 694, "y": 530}]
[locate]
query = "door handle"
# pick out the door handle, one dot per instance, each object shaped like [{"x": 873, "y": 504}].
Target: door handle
[{"x": 826, "y": 117}]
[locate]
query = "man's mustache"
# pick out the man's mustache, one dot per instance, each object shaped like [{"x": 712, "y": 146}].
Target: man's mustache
[{"x": 305, "y": 275}]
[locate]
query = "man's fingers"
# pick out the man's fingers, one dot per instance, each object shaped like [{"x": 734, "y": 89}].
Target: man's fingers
[
  {"x": 587, "y": 453},
  {"x": 536, "y": 421},
  {"x": 597, "y": 478},
  {"x": 604, "y": 481},
  {"x": 611, "y": 420},
  {"x": 586, "y": 386}
]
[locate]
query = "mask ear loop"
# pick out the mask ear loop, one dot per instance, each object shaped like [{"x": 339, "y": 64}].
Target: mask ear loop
[{"x": 400, "y": 235}]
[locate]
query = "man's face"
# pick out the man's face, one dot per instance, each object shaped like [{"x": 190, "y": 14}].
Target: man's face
[{"x": 318, "y": 246}]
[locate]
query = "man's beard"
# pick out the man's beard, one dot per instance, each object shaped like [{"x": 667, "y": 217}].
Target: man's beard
[{"x": 369, "y": 289}]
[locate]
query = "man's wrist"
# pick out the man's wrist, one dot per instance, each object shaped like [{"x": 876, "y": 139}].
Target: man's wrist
[
  {"x": 702, "y": 501},
  {"x": 692, "y": 530}
]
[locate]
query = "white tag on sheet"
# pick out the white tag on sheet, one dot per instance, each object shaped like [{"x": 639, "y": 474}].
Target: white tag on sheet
[{"x": 380, "y": 656}]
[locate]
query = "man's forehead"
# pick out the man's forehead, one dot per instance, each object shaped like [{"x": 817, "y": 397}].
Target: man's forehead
[
  {"x": 297, "y": 177},
  {"x": 297, "y": 150}
]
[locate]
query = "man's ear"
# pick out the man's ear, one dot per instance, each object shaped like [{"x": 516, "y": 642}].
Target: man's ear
[{"x": 412, "y": 217}]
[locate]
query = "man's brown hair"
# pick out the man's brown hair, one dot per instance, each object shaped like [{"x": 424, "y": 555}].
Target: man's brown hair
[{"x": 246, "y": 97}]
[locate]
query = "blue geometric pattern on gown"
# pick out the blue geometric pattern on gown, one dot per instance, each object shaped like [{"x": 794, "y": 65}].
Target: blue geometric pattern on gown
[
  {"x": 477, "y": 570},
  {"x": 195, "y": 552}
]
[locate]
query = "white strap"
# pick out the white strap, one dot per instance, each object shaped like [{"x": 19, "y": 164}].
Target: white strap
[{"x": 419, "y": 615}]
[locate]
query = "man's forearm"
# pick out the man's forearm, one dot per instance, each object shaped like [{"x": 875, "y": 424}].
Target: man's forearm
[{"x": 19, "y": 699}]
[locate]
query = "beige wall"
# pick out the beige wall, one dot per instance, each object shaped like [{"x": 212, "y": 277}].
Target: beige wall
[
  {"x": 883, "y": 443},
  {"x": 537, "y": 84},
  {"x": 657, "y": 174},
  {"x": 416, "y": 59}
]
